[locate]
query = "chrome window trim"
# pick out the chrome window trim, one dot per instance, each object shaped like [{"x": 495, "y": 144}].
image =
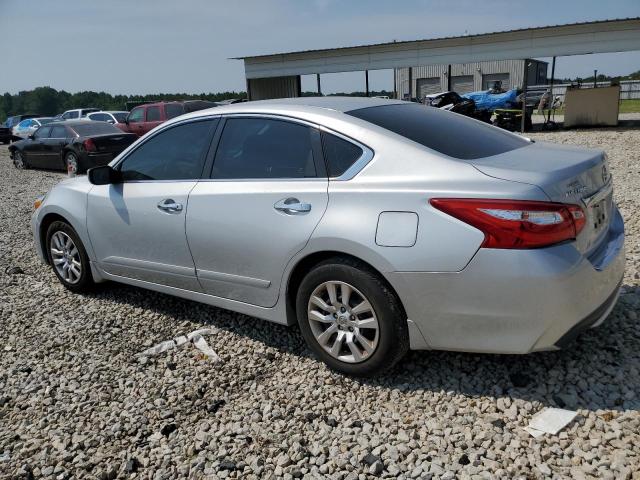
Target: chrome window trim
[
  {"x": 135, "y": 146},
  {"x": 357, "y": 166},
  {"x": 351, "y": 172}
]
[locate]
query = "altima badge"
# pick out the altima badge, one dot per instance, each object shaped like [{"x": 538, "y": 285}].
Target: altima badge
[{"x": 575, "y": 188}]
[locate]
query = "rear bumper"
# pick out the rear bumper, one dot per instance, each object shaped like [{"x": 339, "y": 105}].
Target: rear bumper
[{"x": 516, "y": 301}]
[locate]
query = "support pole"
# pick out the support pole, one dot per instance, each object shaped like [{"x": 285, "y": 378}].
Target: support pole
[
  {"x": 366, "y": 81},
  {"x": 395, "y": 84},
  {"x": 410, "y": 83},
  {"x": 524, "y": 94},
  {"x": 553, "y": 75},
  {"x": 449, "y": 78},
  {"x": 248, "y": 89},
  {"x": 318, "y": 80},
  {"x": 595, "y": 79}
]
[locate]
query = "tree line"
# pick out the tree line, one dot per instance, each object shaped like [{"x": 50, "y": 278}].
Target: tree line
[{"x": 48, "y": 101}]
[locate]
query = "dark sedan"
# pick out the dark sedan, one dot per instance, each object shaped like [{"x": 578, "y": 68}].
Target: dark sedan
[{"x": 73, "y": 146}]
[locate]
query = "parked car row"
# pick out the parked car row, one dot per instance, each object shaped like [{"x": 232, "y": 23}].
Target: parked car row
[{"x": 72, "y": 145}]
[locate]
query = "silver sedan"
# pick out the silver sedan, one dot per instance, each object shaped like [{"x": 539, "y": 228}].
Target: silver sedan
[{"x": 376, "y": 225}]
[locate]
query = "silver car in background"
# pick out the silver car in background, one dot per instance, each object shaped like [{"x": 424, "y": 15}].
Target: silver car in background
[{"x": 376, "y": 225}]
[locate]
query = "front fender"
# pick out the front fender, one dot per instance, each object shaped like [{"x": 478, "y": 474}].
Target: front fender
[{"x": 68, "y": 200}]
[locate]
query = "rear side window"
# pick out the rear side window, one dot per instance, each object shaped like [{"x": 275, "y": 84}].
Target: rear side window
[
  {"x": 173, "y": 110},
  {"x": 339, "y": 154},
  {"x": 153, "y": 114},
  {"x": 264, "y": 148},
  {"x": 59, "y": 132},
  {"x": 177, "y": 153},
  {"x": 449, "y": 133}
]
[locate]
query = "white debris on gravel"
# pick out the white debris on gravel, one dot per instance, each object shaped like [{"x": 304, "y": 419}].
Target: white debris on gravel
[
  {"x": 196, "y": 338},
  {"x": 550, "y": 420},
  {"x": 76, "y": 403}
]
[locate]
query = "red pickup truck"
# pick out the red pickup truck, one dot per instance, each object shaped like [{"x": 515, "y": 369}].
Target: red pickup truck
[{"x": 144, "y": 118}]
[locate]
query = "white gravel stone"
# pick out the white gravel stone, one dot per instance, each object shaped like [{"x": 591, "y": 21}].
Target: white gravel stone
[{"x": 73, "y": 397}]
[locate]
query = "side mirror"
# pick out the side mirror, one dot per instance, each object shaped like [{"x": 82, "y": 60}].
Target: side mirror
[{"x": 104, "y": 175}]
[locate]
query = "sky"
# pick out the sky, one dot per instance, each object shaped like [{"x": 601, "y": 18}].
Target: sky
[{"x": 170, "y": 46}]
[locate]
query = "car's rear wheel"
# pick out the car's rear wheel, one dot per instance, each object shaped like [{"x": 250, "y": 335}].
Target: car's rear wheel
[
  {"x": 68, "y": 257},
  {"x": 351, "y": 318},
  {"x": 18, "y": 160},
  {"x": 71, "y": 163}
]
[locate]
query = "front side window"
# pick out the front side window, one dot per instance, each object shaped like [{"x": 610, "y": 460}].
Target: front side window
[
  {"x": 176, "y": 153},
  {"x": 136, "y": 115},
  {"x": 264, "y": 148},
  {"x": 339, "y": 154},
  {"x": 42, "y": 132},
  {"x": 153, "y": 114},
  {"x": 59, "y": 132},
  {"x": 448, "y": 133}
]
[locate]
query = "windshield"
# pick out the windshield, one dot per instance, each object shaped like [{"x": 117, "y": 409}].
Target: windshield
[
  {"x": 95, "y": 128},
  {"x": 445, "y": 132}
]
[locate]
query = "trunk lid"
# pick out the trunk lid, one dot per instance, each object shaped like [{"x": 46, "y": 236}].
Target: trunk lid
[
  {"x": 113, "y": 143},
  {"x": 566, "y": 175}
]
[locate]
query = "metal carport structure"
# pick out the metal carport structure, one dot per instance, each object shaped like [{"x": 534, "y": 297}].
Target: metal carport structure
[{"x": 278, "y": 75}]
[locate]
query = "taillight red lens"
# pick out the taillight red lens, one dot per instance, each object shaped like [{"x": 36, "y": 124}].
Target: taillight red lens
[
  {"x": 89, "y": 146},
  {"x": 516, "y": 224}
]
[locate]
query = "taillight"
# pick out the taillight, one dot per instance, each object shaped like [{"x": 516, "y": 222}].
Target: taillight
[
  {"x": 89, "y": 146},
  {"x": 516, "y": 224}
]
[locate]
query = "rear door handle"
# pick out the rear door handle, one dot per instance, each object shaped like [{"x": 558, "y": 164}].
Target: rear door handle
[
  {"x": 170, "y": 206},
  {"x": 292, "y": 206}
]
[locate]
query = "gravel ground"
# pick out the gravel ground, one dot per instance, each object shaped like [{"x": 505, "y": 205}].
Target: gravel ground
[{"x": 75, "y": 402}]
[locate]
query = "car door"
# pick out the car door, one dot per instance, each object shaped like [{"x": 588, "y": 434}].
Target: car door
[
  {"x": 153, "y": 118},
  {"x": 54, "y": 145},
  {"x": 266, "y": 193},
  {"x": 137, "y": 227},
  {"x": 136, "y": 121},
  {"x": 33, "y": 150}
]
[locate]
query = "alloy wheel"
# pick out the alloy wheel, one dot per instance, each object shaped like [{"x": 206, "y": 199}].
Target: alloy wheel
[
  {"x": 343, "y": 321},
  {"x": 65, "y": 257},
  {"x": 72, "y": 164}
]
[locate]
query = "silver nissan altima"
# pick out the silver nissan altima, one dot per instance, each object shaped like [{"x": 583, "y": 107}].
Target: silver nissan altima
[{"x": 376, "y": 225}]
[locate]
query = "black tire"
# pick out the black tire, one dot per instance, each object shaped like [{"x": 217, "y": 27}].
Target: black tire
[
  {"x": 19, "y": 161},
  {"x": 393, "y": 339},
  {"x": 85, "y": 281}
]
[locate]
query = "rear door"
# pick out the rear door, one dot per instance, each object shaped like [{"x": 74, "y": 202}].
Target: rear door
[
  {"x": 266, "y": 193},
  {"x": 53, "y": 146},
  {"x": 137, "y": 227},
  {"x": 153, "y": 117}
]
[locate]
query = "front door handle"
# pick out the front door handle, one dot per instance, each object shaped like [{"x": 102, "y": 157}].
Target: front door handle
[
  {"x": 292, "y": 206},
  {"x": 170, "y": 206}
]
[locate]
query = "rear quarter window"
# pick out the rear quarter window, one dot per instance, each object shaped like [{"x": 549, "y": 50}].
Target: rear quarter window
[
  {"x": 449, "y": 133},
  {"x": 339, "y": 154}
]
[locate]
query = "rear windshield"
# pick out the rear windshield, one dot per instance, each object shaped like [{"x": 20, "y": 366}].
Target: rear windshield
[
  {"x": 95, "y": 128},
  {"x": 449, "y": 133},
  {"x": 173, "y": 110},
  {"x": 120, "y": 116}
]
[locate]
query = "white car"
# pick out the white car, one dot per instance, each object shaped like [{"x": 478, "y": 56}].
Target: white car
[
  {"x": 113, "y": 117},
  {"x": 76, "y": 113},
  {"x": 29, "y": 126}
]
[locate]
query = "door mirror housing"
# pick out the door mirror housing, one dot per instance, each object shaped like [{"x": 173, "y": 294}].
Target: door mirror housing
[{"x": 104, "y": 175}]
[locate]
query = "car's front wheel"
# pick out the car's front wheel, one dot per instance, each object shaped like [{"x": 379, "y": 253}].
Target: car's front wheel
[
  {"x": 68, "y": 257},
  {"x": 351, "y": 318},
  {"x": 18, "y": 160}
]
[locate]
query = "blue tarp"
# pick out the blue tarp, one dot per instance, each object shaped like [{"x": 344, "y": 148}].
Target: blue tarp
[{"x": 490, "y": 101}]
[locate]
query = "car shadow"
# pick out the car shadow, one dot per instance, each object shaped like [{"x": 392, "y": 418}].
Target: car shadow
[{"x": 600, "y": 370}]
